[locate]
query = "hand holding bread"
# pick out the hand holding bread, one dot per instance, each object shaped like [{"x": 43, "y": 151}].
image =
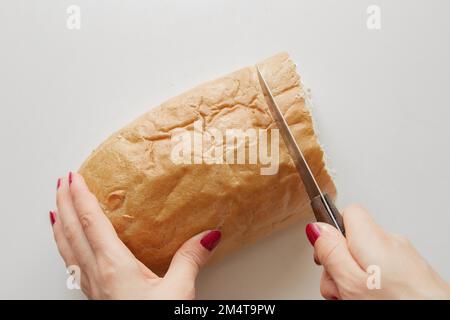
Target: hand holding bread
[{"x": 86, "y": 238}]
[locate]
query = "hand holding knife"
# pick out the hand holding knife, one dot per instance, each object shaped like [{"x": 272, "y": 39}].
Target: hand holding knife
[{"x": 322, "y": 205}]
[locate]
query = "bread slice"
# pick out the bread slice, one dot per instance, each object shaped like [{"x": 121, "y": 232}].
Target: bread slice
[{"x": 155, "y": 204}]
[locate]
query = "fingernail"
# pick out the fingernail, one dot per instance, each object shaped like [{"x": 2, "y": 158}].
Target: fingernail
[
  {"x": 52, "y": 217},
  {"x": 70, "y": 178},
  {"x": 58, "y": 184},
  {"x": 211, "y": 240},
  {"x": 312, "y": 232}
]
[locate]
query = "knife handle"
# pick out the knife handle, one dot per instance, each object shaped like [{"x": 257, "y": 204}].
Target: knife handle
[{"x": 322, "y": 215}]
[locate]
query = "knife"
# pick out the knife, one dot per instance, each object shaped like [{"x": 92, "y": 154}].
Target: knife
[{"x": 322, "y": 204}]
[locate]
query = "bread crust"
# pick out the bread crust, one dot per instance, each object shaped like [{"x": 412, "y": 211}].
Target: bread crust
[{"x": 156, "y": 205}]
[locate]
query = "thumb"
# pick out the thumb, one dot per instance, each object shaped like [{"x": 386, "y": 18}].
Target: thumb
[
  {"x": 192, "y": 255},
  {"x": 332, "y": 252}
]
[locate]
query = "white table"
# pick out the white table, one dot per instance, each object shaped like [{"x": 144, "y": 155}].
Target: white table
[{"x": 381, "y": 105}]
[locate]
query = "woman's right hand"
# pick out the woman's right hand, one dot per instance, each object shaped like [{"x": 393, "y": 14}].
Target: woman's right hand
[{"x": 370, "y": 263}]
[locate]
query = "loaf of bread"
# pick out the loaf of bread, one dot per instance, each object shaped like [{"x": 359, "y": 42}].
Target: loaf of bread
[{"x": 155, "y": 203}]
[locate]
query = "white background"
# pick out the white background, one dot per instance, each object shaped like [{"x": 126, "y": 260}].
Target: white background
[{"x": 381, "y": 105}]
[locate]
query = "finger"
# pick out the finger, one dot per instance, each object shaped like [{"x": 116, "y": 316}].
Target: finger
[
  {"x": 332, "y": 252},
  {"x": 192, "y": 255},
  {"x": 66, "y": 252},
  {"x": 71, "y": 227},
  {"x": 61, "y": 242},
  {"x": 316, "y": 259},
  {"x": 366, "y": 239},
  {"x": 98, "y": 229},
  {"x": 328, "y": 288}
]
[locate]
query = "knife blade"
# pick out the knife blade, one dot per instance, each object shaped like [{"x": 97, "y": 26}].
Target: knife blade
[{"x": 322, "y": 205}]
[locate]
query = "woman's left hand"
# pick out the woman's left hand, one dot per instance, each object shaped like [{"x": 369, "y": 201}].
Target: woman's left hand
[{"x": 86, "y": 238}]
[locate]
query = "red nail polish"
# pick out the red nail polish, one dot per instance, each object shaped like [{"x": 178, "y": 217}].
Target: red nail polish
[
  {"x": 58, "y": 184},
  {"x": 211, "y": 240},
  {"x": 312, "y": 232},
  {"x": 52, "y": 217},
  {"x": 70, "y": 178}
]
